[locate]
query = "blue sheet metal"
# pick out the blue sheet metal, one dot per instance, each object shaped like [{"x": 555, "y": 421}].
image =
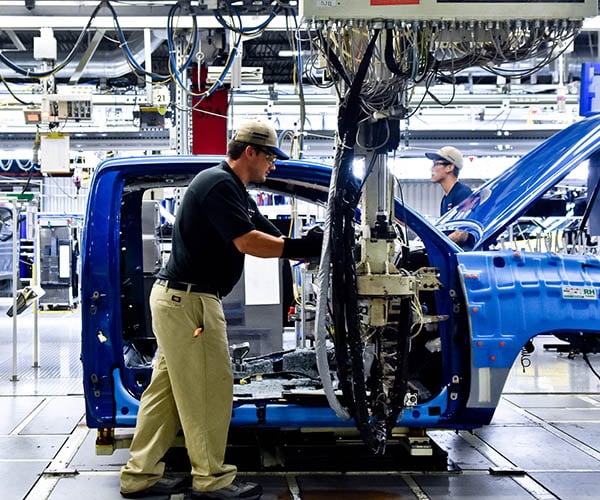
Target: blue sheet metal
[
  {"x": 269, "y": 414},
  {"x": 514, "y": 296}
]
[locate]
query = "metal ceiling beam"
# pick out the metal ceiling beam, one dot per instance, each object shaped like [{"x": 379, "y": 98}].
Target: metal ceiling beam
[
  {"x": 88, "y": 54},
  {"x": 76, "y": 23},
  {"x": 75, "y": 14},
  {"x": 130, "y": 7},
  {"x": 84, "y": 8},
  {"x": 14, "y": 38},
  {"x": 479, "y": 143},
  {"x": 94, "y": 141}
]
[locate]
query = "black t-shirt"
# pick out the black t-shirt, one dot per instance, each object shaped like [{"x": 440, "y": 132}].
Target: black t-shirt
[
  {"x": 216, "y": 209},
  {"x": 457, "y": 194}
]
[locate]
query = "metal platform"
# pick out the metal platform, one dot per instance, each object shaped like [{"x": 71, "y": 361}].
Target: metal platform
[{"x": 544, "y": 441}]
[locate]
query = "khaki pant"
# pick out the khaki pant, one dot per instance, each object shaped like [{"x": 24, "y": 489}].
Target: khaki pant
[{"x": 191, "y": 389}]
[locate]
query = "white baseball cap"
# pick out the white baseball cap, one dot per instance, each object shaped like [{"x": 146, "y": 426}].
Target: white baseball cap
[{"x": 449, "y": 154}]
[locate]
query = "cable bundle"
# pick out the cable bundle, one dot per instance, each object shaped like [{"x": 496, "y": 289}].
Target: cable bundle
[{"x": 413, "y": 53}]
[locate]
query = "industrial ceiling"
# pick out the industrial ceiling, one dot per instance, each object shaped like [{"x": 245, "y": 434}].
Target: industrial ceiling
[{"x": 99, "y": 61}]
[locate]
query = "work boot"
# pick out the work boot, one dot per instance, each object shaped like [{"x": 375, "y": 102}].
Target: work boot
[
  {"x": 166, "y": 485},
  {"x": 237, "y": 489}
]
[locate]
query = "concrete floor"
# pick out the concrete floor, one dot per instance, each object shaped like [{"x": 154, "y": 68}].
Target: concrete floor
[{"x": 544, "y": 441}]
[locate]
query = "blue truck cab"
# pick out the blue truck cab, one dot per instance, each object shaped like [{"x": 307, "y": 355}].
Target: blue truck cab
[{"x": 487, "y": 307}]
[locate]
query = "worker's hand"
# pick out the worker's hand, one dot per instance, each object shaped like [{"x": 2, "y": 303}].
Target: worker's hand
[
  {"x": 458, "y": 236},
  {"x": 315, "y": 237},
  {"x": 462, "y": 238},
  {"x": 305, "y": 247}
]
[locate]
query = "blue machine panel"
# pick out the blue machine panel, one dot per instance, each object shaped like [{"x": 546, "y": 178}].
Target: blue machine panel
[{"x": 589, "y": 92}]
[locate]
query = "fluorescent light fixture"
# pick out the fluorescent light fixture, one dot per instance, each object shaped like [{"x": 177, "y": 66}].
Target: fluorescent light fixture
[{"x": 292, "y": 53}]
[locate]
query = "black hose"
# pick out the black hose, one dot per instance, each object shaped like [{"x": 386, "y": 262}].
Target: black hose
[
  {"x": 334, "y": 60},
  {"x": 402, "y": 350},
  {"x": 349, "y": 344},
  {"x": 390, "y": 61},
  {"x": 338, "y": 286}
]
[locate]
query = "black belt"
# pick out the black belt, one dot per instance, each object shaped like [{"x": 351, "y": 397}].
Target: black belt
[{"x": 186, "y": 287}]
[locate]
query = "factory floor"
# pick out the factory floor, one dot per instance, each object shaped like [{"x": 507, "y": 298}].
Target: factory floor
[{"x": 544, "y": 441}]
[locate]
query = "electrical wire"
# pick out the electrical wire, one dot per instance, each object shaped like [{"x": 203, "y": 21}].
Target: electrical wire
[
  {"x": 14, "y": 96},
  {"x": 219, "y": 81},
  {"x": 425, "y": 51},
  {"x": 137, "y": 68},
  {"x": 371, "y": 419},
  {"x": 238, "y": 29},
  {"x": 234, "y": 14},
  {"x": 241, "y": 32}
]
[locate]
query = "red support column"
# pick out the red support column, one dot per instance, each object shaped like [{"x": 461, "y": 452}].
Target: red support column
[{"x": 209, "y": 132}]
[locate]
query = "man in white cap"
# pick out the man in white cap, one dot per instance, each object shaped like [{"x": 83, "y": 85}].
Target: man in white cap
[
  {"x": 192, "y": 384},
  {"x": 447, "y": 163}
]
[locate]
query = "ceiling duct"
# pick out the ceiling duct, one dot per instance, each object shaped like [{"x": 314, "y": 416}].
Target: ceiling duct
[{"x": 104, "y": 63}]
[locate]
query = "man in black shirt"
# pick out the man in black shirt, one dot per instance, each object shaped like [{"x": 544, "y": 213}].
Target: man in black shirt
[
  {"x": 447, "y": 163},
  {"x": 192, "y": 385}
]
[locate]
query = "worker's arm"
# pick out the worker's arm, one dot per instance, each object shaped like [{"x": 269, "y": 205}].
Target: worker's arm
[
  {"x": 259, "y": 244},
  {"x": 262, "y": 244}
]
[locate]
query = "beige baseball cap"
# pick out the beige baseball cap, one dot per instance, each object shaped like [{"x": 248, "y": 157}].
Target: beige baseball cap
[
  {"x": 260, "y": 134},
  {"x": 449, "y": 154}
]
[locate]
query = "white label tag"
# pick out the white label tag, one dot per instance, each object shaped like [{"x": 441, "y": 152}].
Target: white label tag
[{"x": 579, "y": 292}]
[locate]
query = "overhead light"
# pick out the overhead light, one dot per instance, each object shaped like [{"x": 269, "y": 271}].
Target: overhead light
[{"x": 292, "y": 53}]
